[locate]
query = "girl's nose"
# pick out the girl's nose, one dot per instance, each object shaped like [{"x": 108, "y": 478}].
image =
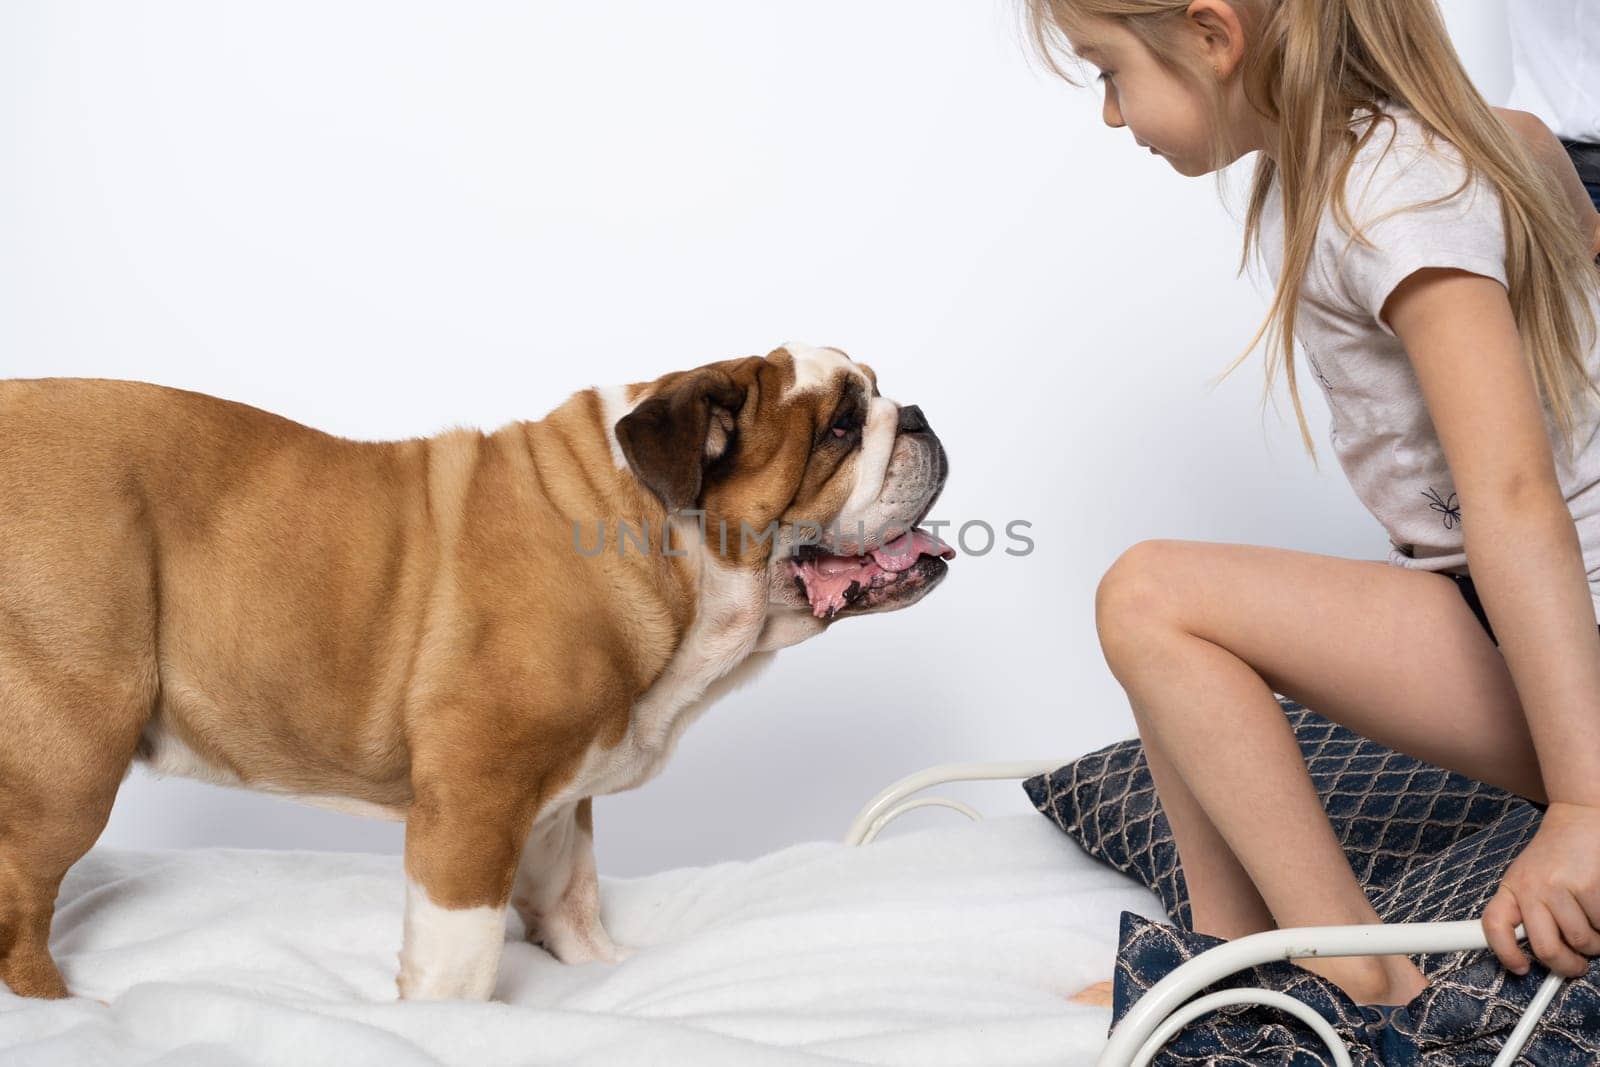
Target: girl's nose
[{"x": 1112, "y": 113}]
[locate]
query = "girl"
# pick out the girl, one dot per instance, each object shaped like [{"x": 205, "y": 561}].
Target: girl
[{"x": 1447, "y": 301}]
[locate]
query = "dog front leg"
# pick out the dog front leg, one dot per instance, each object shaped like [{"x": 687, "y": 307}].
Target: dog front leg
[
  {"x": 557, "y": 891},
  {"x": 460, "y": 859}
]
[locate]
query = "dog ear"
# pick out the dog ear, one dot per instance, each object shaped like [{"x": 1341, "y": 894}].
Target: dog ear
[{"x": 671, "y": 438}]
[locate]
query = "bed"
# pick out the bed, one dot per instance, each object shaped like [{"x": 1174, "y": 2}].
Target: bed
[{"x": 952, "y": 942}]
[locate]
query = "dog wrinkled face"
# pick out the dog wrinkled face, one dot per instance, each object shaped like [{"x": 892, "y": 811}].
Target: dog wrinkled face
[
  {"x": 824, "y": 477},
  {"x": 851, "y": 545}
]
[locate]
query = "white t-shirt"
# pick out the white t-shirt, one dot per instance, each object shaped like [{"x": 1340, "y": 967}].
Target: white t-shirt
[
  {"x": 1381, "y": 430},
  {"x": 1555, "y": 64}
]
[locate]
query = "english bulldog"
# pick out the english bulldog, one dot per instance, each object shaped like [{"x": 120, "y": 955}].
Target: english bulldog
[{"x": 475, "y": 633}]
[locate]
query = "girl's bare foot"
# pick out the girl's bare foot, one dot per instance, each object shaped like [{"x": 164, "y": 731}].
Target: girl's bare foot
[
  {"x": 1098, "y": 995},
  {"x": 1390, "y": 984}
]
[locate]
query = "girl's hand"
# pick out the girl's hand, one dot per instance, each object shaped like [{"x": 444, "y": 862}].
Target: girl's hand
[{"x": 1553, "y": 890}]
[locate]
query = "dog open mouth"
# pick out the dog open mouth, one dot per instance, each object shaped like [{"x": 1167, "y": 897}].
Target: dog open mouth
[{"x": 833, "y": 583}]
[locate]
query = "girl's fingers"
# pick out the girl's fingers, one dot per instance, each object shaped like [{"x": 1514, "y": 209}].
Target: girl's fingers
[
  {"x": 1545, "y": 937},
  {"x": 1588, "y": 899},
  {"x": 1500, "y": 921},
  {"x": 1576, "y": 929}
]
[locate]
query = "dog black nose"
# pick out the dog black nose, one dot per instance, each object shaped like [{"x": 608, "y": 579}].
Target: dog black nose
[{"x": 911, "y": 420}]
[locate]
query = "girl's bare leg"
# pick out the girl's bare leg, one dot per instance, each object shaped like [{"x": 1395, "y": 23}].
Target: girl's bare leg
[
  {"x": 1201, "y": 634},
  {"x": 1223, "y": 901}
]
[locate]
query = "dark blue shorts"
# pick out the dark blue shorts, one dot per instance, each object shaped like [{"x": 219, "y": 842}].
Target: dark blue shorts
[{"x": 1586, "y": 157}]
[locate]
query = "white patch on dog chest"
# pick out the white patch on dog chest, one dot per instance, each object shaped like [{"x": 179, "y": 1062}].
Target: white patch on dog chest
[{"x": 715, "y": 656}]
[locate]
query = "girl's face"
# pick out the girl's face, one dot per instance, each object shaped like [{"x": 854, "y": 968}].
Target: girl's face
[{"x": 1166, "y": 113}]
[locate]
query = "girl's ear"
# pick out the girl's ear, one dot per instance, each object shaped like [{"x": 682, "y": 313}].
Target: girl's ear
[{"x": 1221, "y": 34}]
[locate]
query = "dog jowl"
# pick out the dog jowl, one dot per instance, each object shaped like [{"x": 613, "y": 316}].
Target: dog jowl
[{"x": 408, "y": 629}]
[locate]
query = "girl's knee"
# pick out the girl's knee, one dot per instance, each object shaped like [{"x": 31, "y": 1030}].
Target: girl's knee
[{"x": 1135, "y": 595}]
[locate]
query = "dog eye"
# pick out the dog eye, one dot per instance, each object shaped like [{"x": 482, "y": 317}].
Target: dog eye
[{"x": 844, "y": 426}]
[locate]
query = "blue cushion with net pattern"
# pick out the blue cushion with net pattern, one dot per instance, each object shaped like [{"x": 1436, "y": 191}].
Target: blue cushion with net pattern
[{"x": 1388, "y": 810}]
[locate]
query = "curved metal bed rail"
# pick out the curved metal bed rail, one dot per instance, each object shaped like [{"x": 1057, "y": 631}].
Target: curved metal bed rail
[
  {"x": 1166, "y": 1008},
  {"x": 883, "y": 808}
]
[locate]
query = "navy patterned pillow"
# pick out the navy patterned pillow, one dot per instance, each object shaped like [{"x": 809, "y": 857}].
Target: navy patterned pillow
[
  {"x": 1245, "y": 1035},
  {"x": 1388, "y": 810},
  {"x": 1462, "y": 1018}
]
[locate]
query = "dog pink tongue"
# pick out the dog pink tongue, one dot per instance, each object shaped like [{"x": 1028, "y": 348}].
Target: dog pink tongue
[
  {"x": 828, "y": 580},
  {"x": 903, "y": 551}
]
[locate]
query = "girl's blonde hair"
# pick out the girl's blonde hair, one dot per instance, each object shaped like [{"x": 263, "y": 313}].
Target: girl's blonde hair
[{"x": 1309, "y": 66}]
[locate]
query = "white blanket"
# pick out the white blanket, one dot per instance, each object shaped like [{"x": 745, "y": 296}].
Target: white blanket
[{"x": 954, "y": 945}]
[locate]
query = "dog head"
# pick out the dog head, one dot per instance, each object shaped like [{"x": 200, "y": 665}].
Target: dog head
[{"x": 796, "y": 466}]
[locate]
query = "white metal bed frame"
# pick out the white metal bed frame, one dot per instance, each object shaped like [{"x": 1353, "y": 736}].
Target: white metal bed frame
[{"x": 1165, "y": 1007}]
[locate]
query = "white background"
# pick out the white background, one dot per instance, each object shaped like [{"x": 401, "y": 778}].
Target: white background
[{"x": 383, "y": 219}]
